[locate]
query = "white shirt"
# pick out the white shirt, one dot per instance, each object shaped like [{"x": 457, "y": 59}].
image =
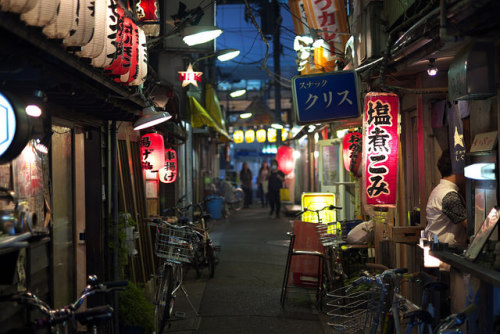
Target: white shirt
[{"x": 445, "y": 211}]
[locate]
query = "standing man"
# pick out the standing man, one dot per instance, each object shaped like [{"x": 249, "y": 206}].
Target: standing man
[
  {"x": 446, "y": 212},
  {"x": 246, "y": 184},
  {"x": 276, "y": 178}
]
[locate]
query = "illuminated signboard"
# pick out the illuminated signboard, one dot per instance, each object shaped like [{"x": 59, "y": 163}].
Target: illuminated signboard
[
  {"x": 14, "y": 129},
  {"x": 380, "y": 145}
]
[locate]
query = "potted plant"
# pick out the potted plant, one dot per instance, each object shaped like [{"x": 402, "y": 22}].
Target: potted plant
[{"x": 135, "y": 312}]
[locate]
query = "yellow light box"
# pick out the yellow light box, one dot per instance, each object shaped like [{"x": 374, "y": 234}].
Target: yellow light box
[{"x": 316, "y": 201}]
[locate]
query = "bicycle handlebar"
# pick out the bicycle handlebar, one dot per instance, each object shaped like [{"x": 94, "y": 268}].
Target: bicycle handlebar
[{"x": 328, "y": 207}]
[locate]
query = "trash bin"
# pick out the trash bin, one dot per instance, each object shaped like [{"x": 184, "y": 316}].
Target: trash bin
[{"x": 214, "y": 206}]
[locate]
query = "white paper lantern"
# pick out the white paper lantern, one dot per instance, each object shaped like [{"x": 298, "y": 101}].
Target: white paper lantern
[
  {"x": 132, "y": 63},
  {"x": 17, "y": 6},
  {"x": 96, "y": 44},
  {"x": 41, "y": 14},
  {"x": 108, "y": 54},
  {"x": 86, "y": 22},
  {"x": 142, "y": 70},
  {"x": 65, "y": 21}
]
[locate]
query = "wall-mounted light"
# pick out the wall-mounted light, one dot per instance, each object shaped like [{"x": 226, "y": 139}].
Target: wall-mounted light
[
  {"x": 33, "y": 110},
  {"x": 194, "y": 35},
  {"x": 246, "y": 115},
  {"x": 150, "y": 117},
  {"x": 238, "y": 93},
  {"x": 431, "y": 68}
]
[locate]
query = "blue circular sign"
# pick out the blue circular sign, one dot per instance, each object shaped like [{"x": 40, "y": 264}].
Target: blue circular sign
[{"x": 7, "y": 124}]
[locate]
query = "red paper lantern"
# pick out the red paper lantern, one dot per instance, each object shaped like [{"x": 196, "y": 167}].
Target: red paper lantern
[
  {"x": 380, "y": 147},
  {"x": 352, "y": 152},
  {"x": 168, "y": 173},
  {"x": 147, "y": 10},
  {"x": 152, "y": 151},
  {"x": 285, "y": 159},
  {"x": 123, "y": 43}
]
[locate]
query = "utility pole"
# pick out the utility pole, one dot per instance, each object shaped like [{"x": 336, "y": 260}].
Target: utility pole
[{"x": 276, "y": 58}]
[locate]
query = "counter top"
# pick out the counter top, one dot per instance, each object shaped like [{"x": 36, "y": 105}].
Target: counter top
[{"x": 484, "y": 273}]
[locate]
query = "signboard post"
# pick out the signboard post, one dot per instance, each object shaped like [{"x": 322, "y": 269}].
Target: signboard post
[{"x": 325, "y": 97}]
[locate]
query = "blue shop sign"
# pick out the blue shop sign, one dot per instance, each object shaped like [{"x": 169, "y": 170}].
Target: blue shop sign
[{"x": 325, "y": 97}]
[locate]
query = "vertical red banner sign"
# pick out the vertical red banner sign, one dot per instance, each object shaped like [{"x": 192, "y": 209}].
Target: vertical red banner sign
[
  {"x": 352, "y": 152},
  {"x": 168, "y": 174},
  {"x": 380, "y": 146},
  {"x": 152, "y": 151}
]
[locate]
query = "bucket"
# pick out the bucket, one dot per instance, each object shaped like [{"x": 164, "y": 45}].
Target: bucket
[{"x": 214, "y": 206}]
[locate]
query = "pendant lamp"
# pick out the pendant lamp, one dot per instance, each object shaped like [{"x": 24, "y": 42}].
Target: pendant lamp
[
  {"x": 42, "y": 13},
  {"x": 151, "y": 118}
]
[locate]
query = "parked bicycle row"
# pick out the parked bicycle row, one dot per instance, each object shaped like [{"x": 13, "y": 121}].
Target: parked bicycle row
[
  {"x": 369, "y": 299},
  {"x": 181, "y": 241}
]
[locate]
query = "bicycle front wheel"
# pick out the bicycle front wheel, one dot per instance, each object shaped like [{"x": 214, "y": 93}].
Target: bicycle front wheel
[
  {"x": 164, "y": 299},
  {"x": 238, "y": 197}
]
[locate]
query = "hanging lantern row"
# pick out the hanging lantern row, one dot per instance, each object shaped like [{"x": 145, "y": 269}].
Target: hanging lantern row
[
  {"x": 98, "y": 30},
  {"x": 249, "y": 136}
]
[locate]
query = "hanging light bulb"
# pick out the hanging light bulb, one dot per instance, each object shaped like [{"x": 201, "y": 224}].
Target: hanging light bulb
[{"x": 431, "y": 68}]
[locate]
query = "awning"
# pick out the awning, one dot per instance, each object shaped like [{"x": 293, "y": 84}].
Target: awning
[{"x": 200, "y": 118}]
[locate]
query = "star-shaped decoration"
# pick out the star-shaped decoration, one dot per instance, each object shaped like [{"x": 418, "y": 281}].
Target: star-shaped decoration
[{"x": 190, "y": 77}]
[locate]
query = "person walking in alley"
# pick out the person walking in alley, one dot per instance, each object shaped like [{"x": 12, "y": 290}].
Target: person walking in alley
[
  {"x": 276, "y": 178},
  {"x": 262, "y": 183},
  {"x": 446, "y": 212},
  {"x": 246, "y": 184}
]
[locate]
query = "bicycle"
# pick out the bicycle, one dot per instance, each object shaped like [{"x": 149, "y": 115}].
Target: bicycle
[
  {"x": 233, "y": 196},
  {"x": 204, "y": 250},
  {"x": 452, "y": 323},
  {"x": 56, "y": 320},
  {"x": 174, "y": 246}
]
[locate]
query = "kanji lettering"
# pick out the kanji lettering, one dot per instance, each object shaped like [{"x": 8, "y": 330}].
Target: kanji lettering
[
  {"x": 379, "y": 115},
  {"x": 327, "y": 18},
  {"x": 378, "y": 140}
]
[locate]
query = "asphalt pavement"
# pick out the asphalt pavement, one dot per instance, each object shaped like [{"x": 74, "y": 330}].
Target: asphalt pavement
[{"x": 244, "y": 295}]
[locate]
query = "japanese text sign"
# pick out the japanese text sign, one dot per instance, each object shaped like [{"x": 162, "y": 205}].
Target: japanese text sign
[
  {"x": 325, "y": 97},
  {"x": 152, "y": 151},
  {"x": 380, "y": 145},
  {"x": 329, "y": 18},
  {"x": 352, "y": 151},
  {"x": 168, "y": 173}
]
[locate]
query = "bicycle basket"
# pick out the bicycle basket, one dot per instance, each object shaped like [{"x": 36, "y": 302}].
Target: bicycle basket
[
  {"x": 351, "y": 309},
  {"x": 174, "y": 243}
]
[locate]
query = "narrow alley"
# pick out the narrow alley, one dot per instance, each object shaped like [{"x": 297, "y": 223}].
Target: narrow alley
[{"x": 244, "y": 295}]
